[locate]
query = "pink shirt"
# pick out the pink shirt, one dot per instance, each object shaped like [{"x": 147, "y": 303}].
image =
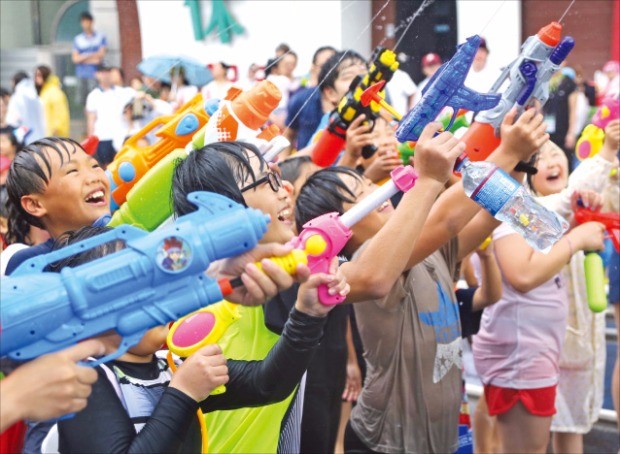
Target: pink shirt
[{"x": 520, "y": 338}]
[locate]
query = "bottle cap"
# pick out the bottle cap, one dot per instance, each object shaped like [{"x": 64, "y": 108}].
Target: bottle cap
[
  {"x": 254, "y": 106},
  {"x": 551, "y": 34}
]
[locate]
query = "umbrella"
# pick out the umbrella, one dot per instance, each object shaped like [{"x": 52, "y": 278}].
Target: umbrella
[{"x": 160, "y": 68}]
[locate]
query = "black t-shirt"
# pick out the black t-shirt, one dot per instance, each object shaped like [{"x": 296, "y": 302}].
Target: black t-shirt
[{"x": 557, "y": 107}]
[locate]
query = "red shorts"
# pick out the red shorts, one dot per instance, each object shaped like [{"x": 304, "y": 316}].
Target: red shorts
[{"x": 539, "y": 402}]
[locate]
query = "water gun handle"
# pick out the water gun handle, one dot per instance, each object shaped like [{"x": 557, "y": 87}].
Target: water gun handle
[
  {"x": 595, "y": 282},
  {"x": 329, "y": 145},
  {"x": 480, "y": 141}
]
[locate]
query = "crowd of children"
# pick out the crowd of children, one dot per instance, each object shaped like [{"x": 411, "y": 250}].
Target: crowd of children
[{"x": 289, "y": 361}]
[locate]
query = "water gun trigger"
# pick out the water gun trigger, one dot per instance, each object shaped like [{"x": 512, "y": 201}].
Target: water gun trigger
[
  {"x": 468, "y": 99},
  {"x": 38, "y": 264}
]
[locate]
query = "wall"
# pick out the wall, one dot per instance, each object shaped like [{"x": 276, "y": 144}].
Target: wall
[
  {"x": 498, "y": 21},
  {"x": 589, "y": 22},
  {"x": 303, "y": 25},
  {"x": 15, "y": 25}
]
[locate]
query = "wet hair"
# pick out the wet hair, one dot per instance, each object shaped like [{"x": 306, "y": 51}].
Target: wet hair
[
  {"x": 30, "y": 173},
  {"x": 74, "y": 236},
  {"x": 4, "y": 93},
  {"x": 332, "y": 67},
  {"x": 291, "y": 168},
  {"x": 218, "y": 167},
  {"x": 324, "y": 192},
  {"x": 320, "y": 50}
]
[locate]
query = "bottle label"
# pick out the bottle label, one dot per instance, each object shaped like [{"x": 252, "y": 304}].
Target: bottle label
[{"x": 495, "y": 190}]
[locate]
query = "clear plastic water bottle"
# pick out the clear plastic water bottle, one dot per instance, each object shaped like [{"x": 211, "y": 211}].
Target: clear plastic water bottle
[{"x": 509, "y": 202}]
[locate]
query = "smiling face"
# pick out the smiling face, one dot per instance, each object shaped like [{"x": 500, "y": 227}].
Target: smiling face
[
  {"x": 76, "y": 195},
  {"x": 277, "y": 204},
  {"x": 552, "y": 174}
]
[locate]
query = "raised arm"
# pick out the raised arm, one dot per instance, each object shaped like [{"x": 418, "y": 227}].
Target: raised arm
[{"x": 373, "y": 273}]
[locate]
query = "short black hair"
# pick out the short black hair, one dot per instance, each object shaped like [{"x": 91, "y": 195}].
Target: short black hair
[
  {"x": 31, "y": 171},
  {"x": 219, "y": 167},
  {"x": 324, "y": 192},
  {"x": 321, "y": 49},
  {"x": 19, "y": 76},
  {"x": 86, "y": 16},
  {"x": 4, "y": 92},
  {"x": 331, "y": 69},
  {"x": 291, "y": 167},
  {"x": 74, "y": 236}
]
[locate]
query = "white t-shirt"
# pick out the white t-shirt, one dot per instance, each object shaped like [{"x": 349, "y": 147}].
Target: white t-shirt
[
  {"x": 215, "y": 90},
  {"x": 108, "y": 105},
  {"x": 520, "y": 338},
  {"x": 400, "y": 88},
  {"x": 26, "y": 109},
  {"x": 481, "y": 81}
]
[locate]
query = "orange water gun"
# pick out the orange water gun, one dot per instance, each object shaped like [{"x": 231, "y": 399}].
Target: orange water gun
[{"x": 132, "y": 161}]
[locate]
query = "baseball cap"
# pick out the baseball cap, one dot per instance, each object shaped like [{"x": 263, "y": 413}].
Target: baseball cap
[{"x": 431, "y": 59}]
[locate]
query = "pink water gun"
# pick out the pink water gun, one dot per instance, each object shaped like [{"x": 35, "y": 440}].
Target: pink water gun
[
  {"x": 323, "y": 238},
  {"x": 592, "y": 137}
]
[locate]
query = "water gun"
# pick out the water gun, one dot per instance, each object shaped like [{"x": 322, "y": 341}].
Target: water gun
[
  {"x": 90, "y": 145},
  {"x": 132, "y": 162},
  {"x": 323, "y": 238},
  {"x": 592, "y": 137},
  {"x": 446, "y": 89},
  {"x": 239, "y": 117},
  {"x": 541, "y": 56},
  {"x": 407, "y": 149},
  {"x": 593, "y": 264},
  {"x": 157, "y": 278},
  {"x": 333, "y": 138},
  {"x": 203, "y": 327}
]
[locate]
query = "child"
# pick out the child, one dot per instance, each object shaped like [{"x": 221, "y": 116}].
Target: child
[
  {"x": 54, "y": 185},
  {"x": 238, "y": 171},
  {"x": 138, "y": 405},
  {"x": 408, "y": 320},
  {"x": 582, "y": 361},
  {"x": 517, "y": 350}
]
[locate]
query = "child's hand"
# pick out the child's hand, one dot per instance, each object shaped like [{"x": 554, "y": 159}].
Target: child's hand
[
  {"x": 201, "y": 373},
  {"x": 589, "y": 199},
  {"x": 588, "y": 237},
  {"x": 435, "y": 156},
  {"x": 52, "y": 385},
  {"x": 485, "y": 249},
  {"x": 382, "y": 165},
  {"x": 359, "y": 135},
  {"x": 307, "y": 297},
  {"x": 259, "y": 286},
  {"x": 525, "y": 136}
]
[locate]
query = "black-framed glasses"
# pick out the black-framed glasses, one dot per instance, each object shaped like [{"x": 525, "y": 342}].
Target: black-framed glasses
[{"x": 273, "y": 178}]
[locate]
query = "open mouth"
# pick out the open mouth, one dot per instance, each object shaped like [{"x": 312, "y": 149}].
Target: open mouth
[
  {"x": 384, "y": 206},
  {"x": 553, "y": 176},
  {"x": 285, "y": 216},
  {"x": 97, "y": 198}
]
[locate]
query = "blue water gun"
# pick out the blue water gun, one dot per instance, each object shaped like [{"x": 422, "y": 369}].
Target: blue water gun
[
  {"x": 157, "y": 278},
  {"x": 446, "y": 89}
]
